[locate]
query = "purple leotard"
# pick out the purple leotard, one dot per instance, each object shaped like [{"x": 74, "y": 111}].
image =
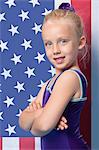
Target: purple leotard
[{"x": 70, "y": 138}]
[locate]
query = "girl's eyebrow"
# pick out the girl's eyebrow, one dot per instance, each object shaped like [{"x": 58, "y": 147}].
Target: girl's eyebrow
[
  {"x": 61, "y": 38},
  {"x": 46, "y": 40}
]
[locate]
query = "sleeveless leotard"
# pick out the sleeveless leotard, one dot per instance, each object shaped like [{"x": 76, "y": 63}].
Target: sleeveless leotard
[{"x": 70, "y": 138}]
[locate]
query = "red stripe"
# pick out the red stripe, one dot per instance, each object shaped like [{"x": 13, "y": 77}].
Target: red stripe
[
  {"x": 0, "y": 143},
  {"x": 83, "y": 8},
  {"x": 27, "y": 143}
]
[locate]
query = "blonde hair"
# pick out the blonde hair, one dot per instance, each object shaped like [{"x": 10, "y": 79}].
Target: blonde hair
[
  {"x": 66, "y": 14},
  {"x": 79, "y": 27}
]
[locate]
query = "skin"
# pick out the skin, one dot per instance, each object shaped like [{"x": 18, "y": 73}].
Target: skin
[
  {"x": 61, "y": 40},
  {"x": 62, "y": 46}
]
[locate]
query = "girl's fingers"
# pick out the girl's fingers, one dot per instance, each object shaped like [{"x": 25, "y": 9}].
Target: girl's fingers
[
  {"x": 38, "y": 105},
  {"x": 63, "y": 124},
  {"x": 64, "y": 119},
  {"x": 60, "y": 127},
  {"x": 35, "y": 106}
]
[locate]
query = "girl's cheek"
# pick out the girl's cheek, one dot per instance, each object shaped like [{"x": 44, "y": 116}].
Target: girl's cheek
[{"x": 48, "y": 53}]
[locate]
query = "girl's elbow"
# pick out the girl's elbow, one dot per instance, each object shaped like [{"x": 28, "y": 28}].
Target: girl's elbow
[
  {"x": 42, "y": 130},
  {"x": 46, "y": 128},
  {"x": 22, "y": 124}
]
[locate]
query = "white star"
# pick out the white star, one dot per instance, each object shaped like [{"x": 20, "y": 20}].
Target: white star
[
  {"x": 20, "y": 111},
  {"x": 31, "y": 99},
  {"x": 1, "y": 113},
  {"x": 16, "y": 59},
  {"x": 10, "y": 129},
  {"x": 2, "y": 17},
  {"x": 30, "y": 72},
  {"x": 9, "y": 101},
  {"x": 13, "y": 30},
  {"x": 10, "y": 3},
  {"x": 46, "y": 12},
  {"x": 24, "y": 15},
  {"x": 19, "y": 87},
  {"x": 40, "y": 57},
  {"x": 3, "y": 45},
  {"x": 52, "y": 71},
  {"x": 6, "y": 73},
  {"x": 42, "y": 83},
  {"x": 37, "y": 28},
  {"x": 26, "y": 44},
  {"x": 34, "y": 2}
]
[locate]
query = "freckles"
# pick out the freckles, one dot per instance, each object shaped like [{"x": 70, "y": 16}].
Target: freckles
[{"x": 48, "y": 54}]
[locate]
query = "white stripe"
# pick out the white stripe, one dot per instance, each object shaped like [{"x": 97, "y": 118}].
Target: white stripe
[
  {"x": 37, "y": 143},
  {"x": 82, "y": 75},
  {"x": 95, "y": 74},
  {"x": 58, "y": 2},
  {"x": 10, "y": 143},
  {"x": 79, "y": 99}
]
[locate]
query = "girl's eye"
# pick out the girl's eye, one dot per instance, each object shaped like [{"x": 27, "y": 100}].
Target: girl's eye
[
  {"x": 48, "y": 44},
  {"x": 63, "y": 41}
]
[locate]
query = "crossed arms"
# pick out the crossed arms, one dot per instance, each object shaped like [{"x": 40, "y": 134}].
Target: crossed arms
[{"x": 41, "y": 120}]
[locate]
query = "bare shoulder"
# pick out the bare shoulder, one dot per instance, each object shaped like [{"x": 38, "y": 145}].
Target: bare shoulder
[
  {"x": 69, "y": 75},
  {"x": 68, "y": 79}
]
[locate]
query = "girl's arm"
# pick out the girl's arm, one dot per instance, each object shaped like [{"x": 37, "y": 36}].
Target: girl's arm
[
  {"x": 27, "y": 116},
  {"x": 64, "y": 89}
]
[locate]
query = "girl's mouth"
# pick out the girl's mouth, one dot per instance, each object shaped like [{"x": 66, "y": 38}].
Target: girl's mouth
[{"x": 59, "y": 60}]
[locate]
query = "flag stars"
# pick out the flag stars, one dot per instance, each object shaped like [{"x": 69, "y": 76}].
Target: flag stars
[
  {"x": 24, "y": 15},
  {"x": 31, "y": 99},
  {"x": 16, "y": 59},
  {"x": 9, "y": 101},
  {"x": 20, "y": 111},
  {"x": 37, "y": 28},
  {"x": 40, "y": 85},
  {"x": 1, "y": 113},
  {"x": 46, "y": 12},
  {"x": 3, "y": 45},
  {"x": 14, "y": 30},
  {"x": 40, "y": 57},
  {"x": 26, "y": 44},
  {"x": 2, "y": 17},
  {"x": 34, "y": 2},
  {"x": 52, "y": 71},
  {"x": 10, "y": 3},
  {"x": 19, "y": 87},
  {"x": 6, "y": 73},
  {"x": 10, "y": 129},
  {"x": 30, "y": 72}
]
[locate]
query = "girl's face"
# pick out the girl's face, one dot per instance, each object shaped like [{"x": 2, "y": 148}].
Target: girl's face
[{"x": 61, "y": 43}]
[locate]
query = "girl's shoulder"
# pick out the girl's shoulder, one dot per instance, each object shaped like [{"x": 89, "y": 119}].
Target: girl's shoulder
[{"x": 73, "y": 79}]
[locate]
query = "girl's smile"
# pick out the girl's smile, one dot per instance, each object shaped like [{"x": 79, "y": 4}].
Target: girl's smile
[{"x": 59, "y": 60}]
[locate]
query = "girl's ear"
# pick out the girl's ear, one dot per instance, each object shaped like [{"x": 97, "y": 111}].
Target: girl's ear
[{"x": 82, "y": 42}]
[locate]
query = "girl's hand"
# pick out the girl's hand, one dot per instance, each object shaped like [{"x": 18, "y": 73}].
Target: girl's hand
[
  {"x": 62, "y": 124},
  {"x": 33, "y": 106}
]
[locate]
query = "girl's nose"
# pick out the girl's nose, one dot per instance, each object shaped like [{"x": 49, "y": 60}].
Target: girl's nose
[{"x": 56, "y": 49}]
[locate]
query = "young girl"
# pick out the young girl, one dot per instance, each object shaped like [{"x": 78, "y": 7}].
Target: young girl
[{"x": 62, "y": 97}]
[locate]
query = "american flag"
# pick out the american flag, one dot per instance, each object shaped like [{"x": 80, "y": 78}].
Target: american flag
[{"x": 24, "y": 66}]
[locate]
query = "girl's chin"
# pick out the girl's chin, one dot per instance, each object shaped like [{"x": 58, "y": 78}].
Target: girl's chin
[{"x": 61, "y": 67}]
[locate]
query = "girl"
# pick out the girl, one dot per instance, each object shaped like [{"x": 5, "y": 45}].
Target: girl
[{"x": 63, "y": 96}]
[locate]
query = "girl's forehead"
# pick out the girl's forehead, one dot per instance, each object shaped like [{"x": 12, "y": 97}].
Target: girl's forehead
[
  {"x": 63, "y": 27},
  {"x": 59, "y": 21}
]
